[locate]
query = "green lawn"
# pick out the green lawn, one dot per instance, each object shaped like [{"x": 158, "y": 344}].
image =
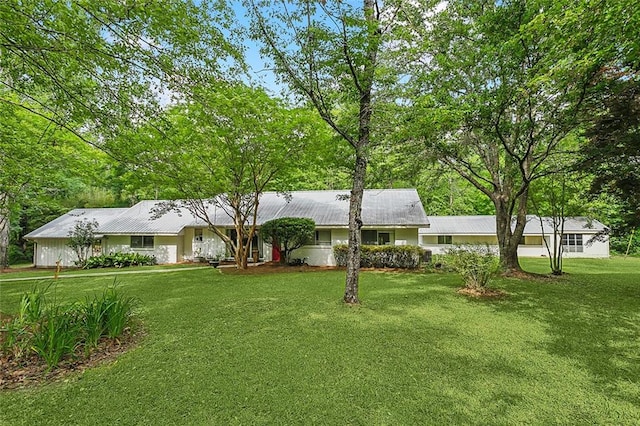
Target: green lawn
[{"x": 283, "y": 349}]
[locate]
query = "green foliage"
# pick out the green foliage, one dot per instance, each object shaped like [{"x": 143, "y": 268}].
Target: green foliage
[
  {"x": 119, "y": 260},
  {"x": 32, "y": 305},
  {"x": 476, "y": 264},
  {"x": 54, "y": 331},
  {"x": 56, "y": 334},
  {"x": 288, "y": 232},
  {"x": 406, "y": 257},
  {"x": 108, "y": 315},
  {"x": 81, "y": 239}
]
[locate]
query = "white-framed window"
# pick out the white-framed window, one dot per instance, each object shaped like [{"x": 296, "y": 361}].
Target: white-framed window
[
  {"x": 572, "y": 243},
  {"x": 142, "y": 241},
  {"x": 445, "y": 239},
  {"x": 323, "y": 237},
  {"x": 373, "y": 237},
  {"x": 197, "y": 234}
]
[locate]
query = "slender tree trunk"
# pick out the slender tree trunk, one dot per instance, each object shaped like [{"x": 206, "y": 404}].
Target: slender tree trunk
[
  {"x": 4, "y": 239},
  {"x": 355, "y": 224},
  {"x": 365, "y": 87}
]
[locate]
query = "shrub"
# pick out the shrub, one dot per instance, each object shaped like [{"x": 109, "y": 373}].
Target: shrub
[
  {"x": 476, "y": 264},
  {"x": 407, "y": 257},
  {"x": 81, "y": 239},
  {"x": 119, "y": 260},
  {"x": 289, "y": 233}
]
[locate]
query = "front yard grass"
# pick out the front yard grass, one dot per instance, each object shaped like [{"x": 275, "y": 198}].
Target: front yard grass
[{"x": 283, "y": 349}]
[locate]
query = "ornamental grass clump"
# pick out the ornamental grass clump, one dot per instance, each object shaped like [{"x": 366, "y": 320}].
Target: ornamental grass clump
[
  {"x": 56, "y": 335},
  {"x": 52, "y": 331},
  {"x": 475, "y": 263}
]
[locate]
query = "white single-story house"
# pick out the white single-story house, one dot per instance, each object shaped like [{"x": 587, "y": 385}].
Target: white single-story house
[
  {"x": 389, "y": 216},
  {"x": 578, "y": 240}
]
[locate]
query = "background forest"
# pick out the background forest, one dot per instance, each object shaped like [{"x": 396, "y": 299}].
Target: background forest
[{"x": 471, "y": 102}]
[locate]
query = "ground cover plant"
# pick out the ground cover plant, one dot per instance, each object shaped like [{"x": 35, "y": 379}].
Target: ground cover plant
[
  {"x": 118, "y": 260},
  {"x": 283, "y": 348}
]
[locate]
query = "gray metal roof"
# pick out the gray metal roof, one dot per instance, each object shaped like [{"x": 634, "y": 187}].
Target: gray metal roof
[
  {"x": 486, "y": 225},
  {"x": 380, "y": 207},
  {"x": 140, "y": 220},
  {"x": 60, "y": 227}
]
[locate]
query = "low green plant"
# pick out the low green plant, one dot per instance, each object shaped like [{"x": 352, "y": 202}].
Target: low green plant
[
  {"x": 53, "y": 331},
  {"x": 56, "y": 335},
  {"x": 119, "y": 260},
  {"x": 14, "y": 339},
  {"x": 118, "y": 312},
  {"x": 93, "y": 323},
  {"x": 477, "y": 264},
  {"x": 32, "y": 305}
]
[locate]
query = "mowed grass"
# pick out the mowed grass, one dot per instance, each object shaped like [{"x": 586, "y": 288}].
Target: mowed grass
[{"x": 283, "y": 349}]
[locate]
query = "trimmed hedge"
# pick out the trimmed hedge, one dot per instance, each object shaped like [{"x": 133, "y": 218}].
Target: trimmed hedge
[
  {"x": 119, "y": 260},
  {"x": 407, "y": 257}
]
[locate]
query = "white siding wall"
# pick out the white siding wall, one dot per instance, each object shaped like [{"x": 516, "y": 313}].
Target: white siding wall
[
  {"x": 210, "y": 246},
  {"x": 165, "y": 247},
  {"x": 406, "y": 236},
  {"x": 533, "y": 245},
  {"x": 49, "y": 250}
]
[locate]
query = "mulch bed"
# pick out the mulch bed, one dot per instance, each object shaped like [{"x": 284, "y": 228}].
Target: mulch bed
[
  {"x": 270, "y": 268},
  {"x": 32, "y": 371}
]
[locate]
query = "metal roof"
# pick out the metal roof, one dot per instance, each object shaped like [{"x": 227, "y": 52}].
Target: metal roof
[
  {"x": 62, "y": 226},
  {"x": 380, "y": 207},
  {"x": 140, "y": 220},
  {"x": 486, "y": 225}
]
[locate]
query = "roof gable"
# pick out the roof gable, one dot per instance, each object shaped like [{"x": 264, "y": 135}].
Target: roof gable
[{"x": 63, "y": 225}]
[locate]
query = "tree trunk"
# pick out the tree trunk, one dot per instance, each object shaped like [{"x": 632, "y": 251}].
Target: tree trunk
[
  {"x": 4, "y": 239},
  {"x": 355, "y": 223},
  {"x": 508, "y": 239}
]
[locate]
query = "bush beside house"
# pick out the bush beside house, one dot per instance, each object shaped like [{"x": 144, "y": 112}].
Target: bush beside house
[{"x": 405, "y": 257}]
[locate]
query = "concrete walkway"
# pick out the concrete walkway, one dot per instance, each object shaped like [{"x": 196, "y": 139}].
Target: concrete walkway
[{"x": 105, "y": 274}]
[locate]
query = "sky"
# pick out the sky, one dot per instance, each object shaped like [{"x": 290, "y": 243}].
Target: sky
[{"x": 257, "y": 64}]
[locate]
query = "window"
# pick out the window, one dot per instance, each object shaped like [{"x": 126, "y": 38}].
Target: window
[
  {"x": 142, "y": 242},
  {"x": 197, "y": 234},
  {"x": 323, "y": 237},
  {"x": 572, "y": 243},
  {"x": 445, "y": 239},
  {"x": 369, "y": 237},
  {"x": 384, "y": 238},
  {"x": 373, "y": 237}
]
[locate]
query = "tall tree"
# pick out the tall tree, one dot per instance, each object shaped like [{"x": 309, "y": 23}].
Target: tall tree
[
  {"x": 492, "y": 97},
  {"x": 220, "y": 153},
  {"x": 327, "y": 52},
  {"x": 40, "y": 164},
  {"x": 95, "y": 68},
  {"x": 104, "y": 65}
]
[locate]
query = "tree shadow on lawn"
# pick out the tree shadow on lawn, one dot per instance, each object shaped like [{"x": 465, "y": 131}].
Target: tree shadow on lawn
[{"x": 590, "y": 319}]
